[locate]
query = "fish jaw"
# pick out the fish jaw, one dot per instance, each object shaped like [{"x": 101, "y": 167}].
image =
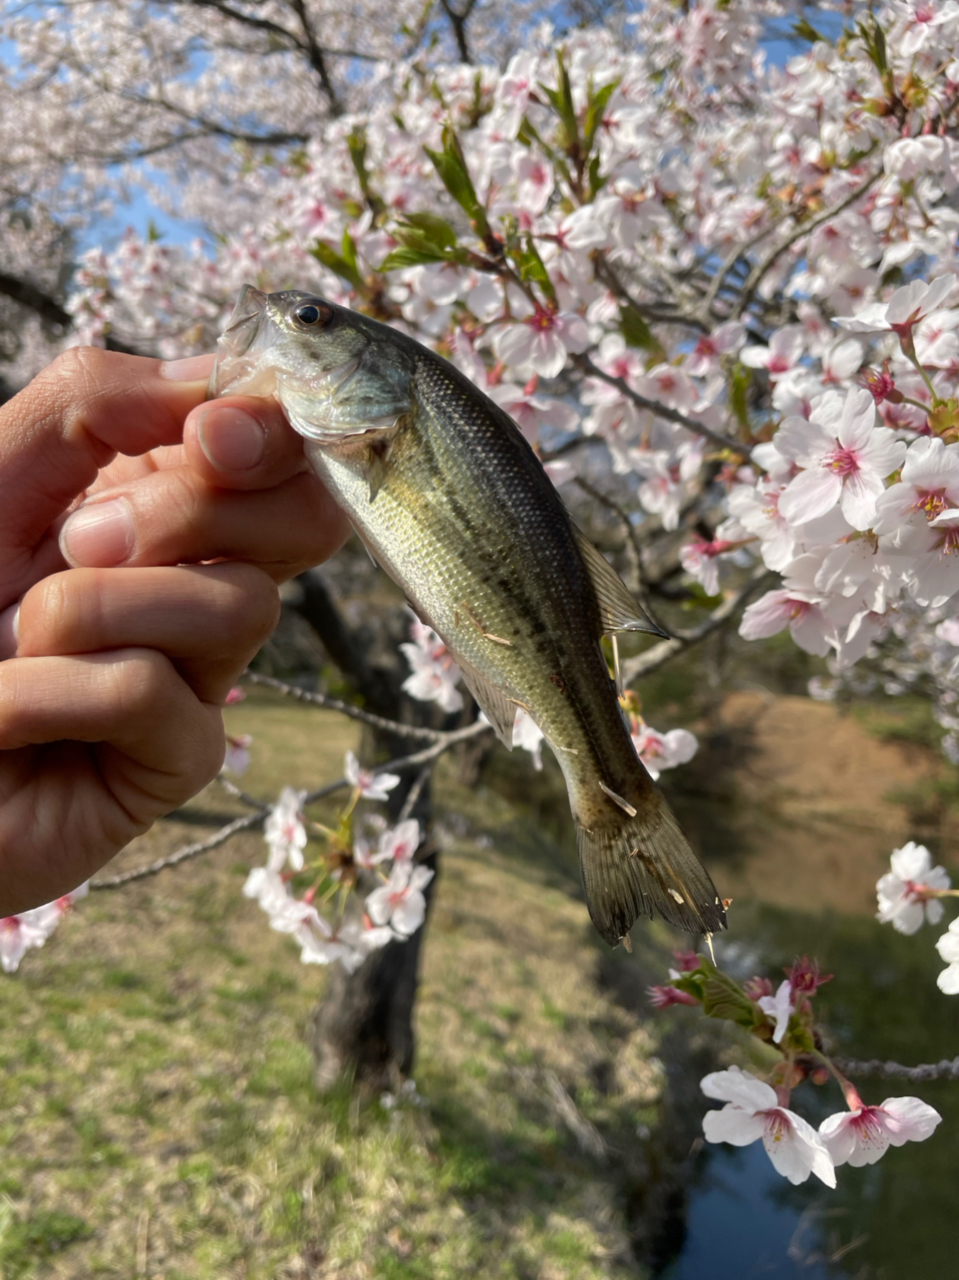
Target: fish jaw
[{"x": 333, "y": 378}]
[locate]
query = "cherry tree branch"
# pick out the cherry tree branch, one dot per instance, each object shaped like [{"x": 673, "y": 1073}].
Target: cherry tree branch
[
  {"x": 183, "y": 854},
  {"x": 946, "y": 1069},
  {"x": 586, "y": 365},
  {"x": 28, "y": 295},
  {"x": 261, "y": 810},
  {"x": 736, "y": 253},
  {"x": 316, "y": 57},
  {"x": 661, "y": 653},
  {"x": 49, "y": 309},
  {"x": 772, "y": 257},
  {"x": 458, "y": 23},
  {"x": 344, "y": 708}
]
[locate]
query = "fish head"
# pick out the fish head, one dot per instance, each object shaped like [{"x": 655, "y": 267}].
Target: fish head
[{"x": 336, "y": 373}]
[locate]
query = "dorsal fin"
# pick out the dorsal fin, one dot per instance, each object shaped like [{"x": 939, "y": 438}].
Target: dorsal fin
[{"x": 618, "y": 609}]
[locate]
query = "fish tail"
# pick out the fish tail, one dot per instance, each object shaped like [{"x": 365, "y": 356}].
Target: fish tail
[{"x": 640, "y": 863}]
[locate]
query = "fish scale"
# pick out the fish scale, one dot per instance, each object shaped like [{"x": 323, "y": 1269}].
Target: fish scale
[{"x": 452, "y": 502}]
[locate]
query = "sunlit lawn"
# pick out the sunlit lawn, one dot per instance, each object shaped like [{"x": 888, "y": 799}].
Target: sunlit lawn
[{"x": 156, "y": 1106}]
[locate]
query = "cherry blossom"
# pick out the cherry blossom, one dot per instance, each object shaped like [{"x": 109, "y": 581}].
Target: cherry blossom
[
  {"x": 400, "y": 902},
  {"x": 17, "y": 935},
  {"x": 752, "y": 1112},
  {"x": 284, "y": 831},
  {"x": 661, "y": 997},
  {"x": 370, "y": 785},
  {"x": 904, "y": 892},
  {"x": 778, "y": 1007},
  {"x": 859, "y": 1137},
  {"x": 236, "y": 759},
  {"x": 528, "y": 735},
  {"x": 20, "y": 933},
  {"x": 903, "y": 311},
  {"x": 659, "y": 751},
  {"x": 541, "y": 344},
  {"x": 435, "y": 674},
  {"x": 845, "y": 457},
  {"x": 399, "y": 843},
  {"x": 948, "y": 948}
]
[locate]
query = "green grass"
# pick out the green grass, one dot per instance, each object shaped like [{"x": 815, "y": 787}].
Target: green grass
[{"x": 157, "y": 1111}]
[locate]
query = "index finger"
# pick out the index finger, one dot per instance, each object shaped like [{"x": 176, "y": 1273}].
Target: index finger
[{"x": 73, "y": 418}]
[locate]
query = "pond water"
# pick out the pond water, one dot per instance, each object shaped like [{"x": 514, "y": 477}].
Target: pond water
[{"x": 895, "y": 1220}]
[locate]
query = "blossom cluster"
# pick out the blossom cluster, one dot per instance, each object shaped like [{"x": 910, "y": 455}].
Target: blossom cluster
[
  {"x": 757, "y": 1109},
  {"x": 392, "y": 910},
  {"x": 911, "y": 894},
  {"x": 744, "y": 322}
]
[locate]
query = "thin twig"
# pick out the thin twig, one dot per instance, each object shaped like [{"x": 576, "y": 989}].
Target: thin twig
[
  {"x": 250, "y": 820},
  {"x": 738, "y": 251},
  {"x": 947, "y": 1069},
  {"x": 428, "y": 754},
  {"x": 344, "y": 708},
  {"x": 238, "y": 793},
  {"x": 661, "y": 410},
  {"x": 660, "y": 653},
  {"x": 416, "y": 790},
  {"x": 606, "y": 273},
  {"x": 183, "y": 855},
  {"x": 773, "y": 256}
]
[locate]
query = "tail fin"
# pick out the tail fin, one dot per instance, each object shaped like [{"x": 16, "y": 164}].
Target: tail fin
[{"x": 638, "y": 865}]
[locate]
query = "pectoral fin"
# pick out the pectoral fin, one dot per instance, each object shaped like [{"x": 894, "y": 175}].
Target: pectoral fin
[{"x": 619, "y": 610}]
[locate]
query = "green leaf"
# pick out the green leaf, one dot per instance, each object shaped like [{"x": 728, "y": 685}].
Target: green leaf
[
  {"x": 804, "y": 30},
  {"x": 596, "y": 183},
  {"x": 435, "y": 230},
  {"x": 561, "y": 99},
  {"x": 595, "y": 111},
  {"x": 739, "y": 388},
  {"x": 725, "y": 998},
  {"x": 409, "y": 256},
  {"x": 874, "y": 39},
  {"x": 531, "y": 268},
  {"x": 450, "y": 164},
  {"x": 423, "y": 237},
  {"x": 356, "y": 145},
  {"x": 637, "y": 332},
  {"x": 326, "y": 254}
]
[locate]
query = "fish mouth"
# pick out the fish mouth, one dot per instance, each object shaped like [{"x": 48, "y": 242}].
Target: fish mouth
[{"x": 237, "y": 339}]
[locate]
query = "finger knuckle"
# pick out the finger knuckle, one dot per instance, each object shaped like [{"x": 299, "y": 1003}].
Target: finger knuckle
[
  {"x": 249, "y": 604},
  {"x": 146, "y": 681}
]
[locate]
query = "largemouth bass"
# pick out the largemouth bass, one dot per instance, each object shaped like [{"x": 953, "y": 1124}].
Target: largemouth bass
[{"x": 452, "y": 502}]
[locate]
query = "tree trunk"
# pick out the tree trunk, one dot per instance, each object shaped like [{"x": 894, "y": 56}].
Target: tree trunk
[{"x": 362, "y": 1030}]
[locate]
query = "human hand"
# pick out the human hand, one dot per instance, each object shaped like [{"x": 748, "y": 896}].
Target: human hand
[{"x": 118, "y": 643}]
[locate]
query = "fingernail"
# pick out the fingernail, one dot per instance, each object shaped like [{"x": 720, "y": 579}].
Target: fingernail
[
  {"x": 9, "y": 631},
  {"x": 99, "y": 535},
  {"x": 231, "y": 439},
  {"x": 189, "y": 369}
]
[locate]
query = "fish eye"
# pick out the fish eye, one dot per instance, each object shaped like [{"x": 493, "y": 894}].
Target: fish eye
[{"x": 311, "y": 315}]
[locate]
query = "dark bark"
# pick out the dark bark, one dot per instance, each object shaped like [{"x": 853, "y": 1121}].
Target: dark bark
[
  {"x": 50, "y": 311},
  {"x": 362, "y": 1030},
  {"x": 458, "y": 19}
]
